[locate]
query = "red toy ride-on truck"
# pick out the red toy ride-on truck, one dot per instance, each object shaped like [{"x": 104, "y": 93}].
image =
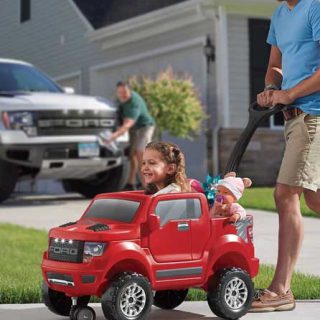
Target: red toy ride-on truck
[{"x": 134, "y": 250}]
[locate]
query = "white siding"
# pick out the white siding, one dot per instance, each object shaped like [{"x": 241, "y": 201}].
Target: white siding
[
  {"x": 238, "y": 39},
  {"x": 53, "y": 39}
]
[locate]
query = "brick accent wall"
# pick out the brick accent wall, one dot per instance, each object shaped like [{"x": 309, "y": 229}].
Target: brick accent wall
[{"x": 262, "y": 159}]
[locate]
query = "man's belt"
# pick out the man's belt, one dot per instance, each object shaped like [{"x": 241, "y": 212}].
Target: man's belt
[{"x": 291, "y": 113}]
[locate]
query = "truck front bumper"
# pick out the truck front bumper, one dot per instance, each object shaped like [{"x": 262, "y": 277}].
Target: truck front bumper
[
  {"x": 59, "y": 158},
  {"x": 74, "y": 279}
]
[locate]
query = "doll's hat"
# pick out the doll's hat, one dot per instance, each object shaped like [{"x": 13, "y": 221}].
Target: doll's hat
[{"x": 235, "y": 185}]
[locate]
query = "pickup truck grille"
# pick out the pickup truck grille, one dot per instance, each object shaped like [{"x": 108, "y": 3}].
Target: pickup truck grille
[
  {"x": 74, "y": 122},
  {"x": 66, "y": 250}
]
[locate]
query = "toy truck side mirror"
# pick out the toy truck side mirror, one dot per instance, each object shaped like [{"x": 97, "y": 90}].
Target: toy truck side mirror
[{"x": 154, "y": 222}]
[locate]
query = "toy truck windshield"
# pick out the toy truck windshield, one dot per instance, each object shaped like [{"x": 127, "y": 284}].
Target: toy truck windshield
[{"x": 113, "y": 209}]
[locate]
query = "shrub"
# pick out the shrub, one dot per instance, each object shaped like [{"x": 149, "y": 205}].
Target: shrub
[{"x": 173, "y": 101}]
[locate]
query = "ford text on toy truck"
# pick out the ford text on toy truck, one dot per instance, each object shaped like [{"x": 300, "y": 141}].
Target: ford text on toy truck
[
  {"x": 134, "y": 250},
  {"x": 47, "y": 133}
]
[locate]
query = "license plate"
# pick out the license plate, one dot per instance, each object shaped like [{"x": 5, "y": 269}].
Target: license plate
[{"x": 90, "y": 149}]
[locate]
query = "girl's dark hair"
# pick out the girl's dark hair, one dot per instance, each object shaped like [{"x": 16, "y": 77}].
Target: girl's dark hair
[{"x": 170, "y": 153}]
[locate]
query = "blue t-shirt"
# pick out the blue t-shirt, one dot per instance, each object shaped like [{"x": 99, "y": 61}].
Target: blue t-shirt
[{"x": 296, "y": 32}]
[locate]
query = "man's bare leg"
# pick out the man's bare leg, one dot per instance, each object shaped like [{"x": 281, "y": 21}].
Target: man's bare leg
[
  {"x": 139, "y": 155},
  {"x": 133, "y": 168},
  {"x": 290, "y": 235},
  {"x": 312, "y": 200}
]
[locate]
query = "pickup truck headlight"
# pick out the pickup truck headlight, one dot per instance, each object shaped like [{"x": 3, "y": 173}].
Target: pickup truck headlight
[
  {"x": 20, "y": 120},
  {"x": 92, "y": 249}
]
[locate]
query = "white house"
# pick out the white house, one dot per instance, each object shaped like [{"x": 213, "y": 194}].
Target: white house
[{"x": 90, "y": 45}]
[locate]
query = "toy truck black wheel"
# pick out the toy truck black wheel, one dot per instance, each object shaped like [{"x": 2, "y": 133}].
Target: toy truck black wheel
[
  {"x": 58, "y": 302},
  {"x": 108, "y": 181},
  {"x": 169, "y": 299},
  {"x": 82, "y": 313},
  {"x": 8, "y": 179},
  {"x": 129, "y": 297},
  {"x": 231, "y": 294}
]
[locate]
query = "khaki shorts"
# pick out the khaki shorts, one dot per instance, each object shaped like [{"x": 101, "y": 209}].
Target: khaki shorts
[
  {"x": 301, "y": 161},
  {"x": 139, "y": 138}
]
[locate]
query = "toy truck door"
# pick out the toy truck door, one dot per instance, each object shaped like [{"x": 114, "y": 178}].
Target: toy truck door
[{"x": 172, "y": 241}]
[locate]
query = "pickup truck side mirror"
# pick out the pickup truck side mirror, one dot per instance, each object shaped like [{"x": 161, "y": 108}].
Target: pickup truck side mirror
[
  {"x": 68, "y": 90},
  {"x": 153, "y": 222}
]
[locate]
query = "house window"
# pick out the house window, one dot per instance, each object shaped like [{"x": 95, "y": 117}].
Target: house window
[
  {"x": 25, "y": 10},
  {"x": 259, "y": 58}
]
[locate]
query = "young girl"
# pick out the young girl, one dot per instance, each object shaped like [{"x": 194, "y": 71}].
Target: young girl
[{"x": 163, "y": 169}]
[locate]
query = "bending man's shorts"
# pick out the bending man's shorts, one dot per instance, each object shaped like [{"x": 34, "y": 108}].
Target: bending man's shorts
[
  {"x": 301, "y": 161},
  {"x": 139, "y": 138}
]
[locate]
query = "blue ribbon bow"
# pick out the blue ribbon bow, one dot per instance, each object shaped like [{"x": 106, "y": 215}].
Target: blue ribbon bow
[{"x": 210, "y": 188}]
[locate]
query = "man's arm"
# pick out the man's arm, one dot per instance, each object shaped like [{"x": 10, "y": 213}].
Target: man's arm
[
  {"x": 305, "y": 87},
  {"x": 273, "y": 77},
  {"x": 274, "y": 72},
  {"x": 127, "y": 124}
]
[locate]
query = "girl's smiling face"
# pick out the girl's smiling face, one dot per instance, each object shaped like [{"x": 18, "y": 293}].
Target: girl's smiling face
[{"x": 154, "y": 169}]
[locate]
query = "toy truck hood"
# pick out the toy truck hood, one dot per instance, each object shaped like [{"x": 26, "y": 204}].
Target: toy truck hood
[
  {"x": 92, "y": 230},
  {"x": 51, "y": 101}
]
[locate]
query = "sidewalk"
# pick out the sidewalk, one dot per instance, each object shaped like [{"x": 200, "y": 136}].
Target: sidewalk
[{"x": 305, "y": 310}]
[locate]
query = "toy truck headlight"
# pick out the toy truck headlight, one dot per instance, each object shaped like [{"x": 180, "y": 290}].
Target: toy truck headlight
[{"x": 92, "y": 249}]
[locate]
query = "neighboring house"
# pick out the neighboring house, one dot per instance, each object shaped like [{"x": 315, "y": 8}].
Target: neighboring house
[{"x": 90, "y": 45}]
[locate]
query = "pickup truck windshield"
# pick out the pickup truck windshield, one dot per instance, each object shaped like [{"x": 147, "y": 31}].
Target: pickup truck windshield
[
  {"x": 113, "y": 209},
  {"x": 24, "y": 78}
]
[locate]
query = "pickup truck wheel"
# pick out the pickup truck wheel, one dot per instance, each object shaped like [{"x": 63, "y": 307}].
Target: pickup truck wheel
[
  {"x": 108, "y": 181},
  {"x": 231, "y": 295},
  {"x": 129, "y": 297},
  {"x": 169, "y": 299},
  {"x": 8, "y": 179},
  {"x": 58, "y": 302}
]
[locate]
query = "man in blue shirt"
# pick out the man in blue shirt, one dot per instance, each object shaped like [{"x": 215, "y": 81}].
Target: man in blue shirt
[{"x": 294, "y": 37}]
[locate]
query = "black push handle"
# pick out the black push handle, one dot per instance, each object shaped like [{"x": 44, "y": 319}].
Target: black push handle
[{"x": 257, "y": 115}]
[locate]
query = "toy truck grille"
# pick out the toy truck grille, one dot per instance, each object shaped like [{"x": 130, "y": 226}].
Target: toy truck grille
[{"x": 66, "y": 250}]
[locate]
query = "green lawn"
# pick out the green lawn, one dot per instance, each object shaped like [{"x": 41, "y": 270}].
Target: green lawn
[
  {"x": 20, "y": 276},
  {"x": 21, "y": 254},
  {"x": 262, "y": 198}
]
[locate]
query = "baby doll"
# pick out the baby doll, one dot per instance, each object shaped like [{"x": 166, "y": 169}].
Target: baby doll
[{"x": 229, "y": 191}]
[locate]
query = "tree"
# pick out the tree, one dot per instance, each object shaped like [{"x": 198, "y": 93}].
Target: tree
[{"x": 173, "y": 101}]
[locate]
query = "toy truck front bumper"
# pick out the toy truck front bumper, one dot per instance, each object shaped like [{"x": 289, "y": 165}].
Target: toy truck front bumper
[{"x": 74, "y": 279}]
